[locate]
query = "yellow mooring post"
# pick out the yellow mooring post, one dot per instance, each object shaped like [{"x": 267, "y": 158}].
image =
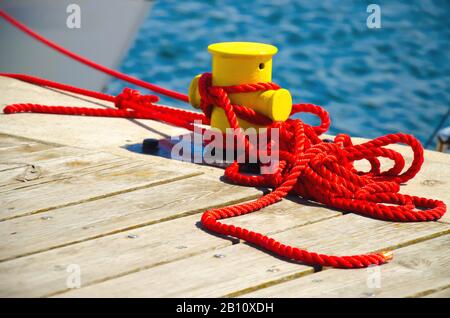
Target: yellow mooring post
[{"x": 235, "y": 63}]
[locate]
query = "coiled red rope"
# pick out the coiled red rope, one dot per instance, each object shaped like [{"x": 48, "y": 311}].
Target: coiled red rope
[
  {"x": 309, "y": 167},
  {"x": 323, "y": 172}
]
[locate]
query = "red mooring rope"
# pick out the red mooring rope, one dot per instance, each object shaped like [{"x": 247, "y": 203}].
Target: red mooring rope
[
  {"x": 90, "y": 63},
  {"x": 309, "y": 167}
]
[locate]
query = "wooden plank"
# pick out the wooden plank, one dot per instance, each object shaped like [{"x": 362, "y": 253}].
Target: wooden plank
[
  {"x": 118, "y": 213},
  {"x": 109, "y": 180},
  {"x": 90, "y": 169},
  {"x": 415, "y": 270},
  {"x": 445, "y": 293},
  {"x": 118, "y": 254},
  {"x": 8, "y": 141},
  {"x": 54, "y": 162},
  {"x": 356, "y": 234},
  {"x": 207, "y": 277},
  {"x": 13, "y": 149},
  {"x": 211, "y": 274},
  {"x": 15, "y": 152},
  {"x": 10, "y": 165},
  {"x": 432, "y": 182},
  {"x": 33, "y": 157}
]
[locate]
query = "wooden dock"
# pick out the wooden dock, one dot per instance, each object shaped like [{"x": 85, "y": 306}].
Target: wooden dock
[{"x": 80, "y": 208}]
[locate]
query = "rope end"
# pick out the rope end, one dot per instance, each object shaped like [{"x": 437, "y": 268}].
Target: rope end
[
  {"x": 8, "y": 110},
  {"x": 387, "y": 255}
]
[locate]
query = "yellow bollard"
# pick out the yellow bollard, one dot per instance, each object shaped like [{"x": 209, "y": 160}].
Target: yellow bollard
[{"x": 235, "y": 63}]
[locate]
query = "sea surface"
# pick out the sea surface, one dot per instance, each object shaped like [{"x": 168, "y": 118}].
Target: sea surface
[{"x": 372, "y": 81}]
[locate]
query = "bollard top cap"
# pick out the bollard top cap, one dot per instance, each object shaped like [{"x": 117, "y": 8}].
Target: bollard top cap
[{"x": 242, "y": 49}]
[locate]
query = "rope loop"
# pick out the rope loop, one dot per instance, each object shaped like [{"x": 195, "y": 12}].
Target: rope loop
[
  {"x": 319, "y": 171},
  {"x": 308, "y": 166}
]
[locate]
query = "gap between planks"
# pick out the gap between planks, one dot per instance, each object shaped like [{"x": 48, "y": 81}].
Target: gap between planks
[
  {"x": 136, "y": 216},
  {"x": 98, "y": 176},
  {"x": 442, "y": 293},
  {"x": 204, "y": 276},
  {"x": 234, "y": 242},
  {"x": 406, "y": 243},
  {"x": 69, "y": 174},
  {"x": 442, "y": 289},
  {"x": 156, "y": 244},
  {"x": 21, "y": 139},
  {"x": 187, "y": 256},
  {"x": 417, "y": 270},
  {"x": 56, "y": 168}
]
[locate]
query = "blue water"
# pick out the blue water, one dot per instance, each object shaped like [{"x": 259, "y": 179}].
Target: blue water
[{"x": 372, "y": 81}]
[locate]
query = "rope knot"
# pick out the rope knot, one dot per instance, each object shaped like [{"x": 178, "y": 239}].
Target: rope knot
[{"x": 130, "y": 98}]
